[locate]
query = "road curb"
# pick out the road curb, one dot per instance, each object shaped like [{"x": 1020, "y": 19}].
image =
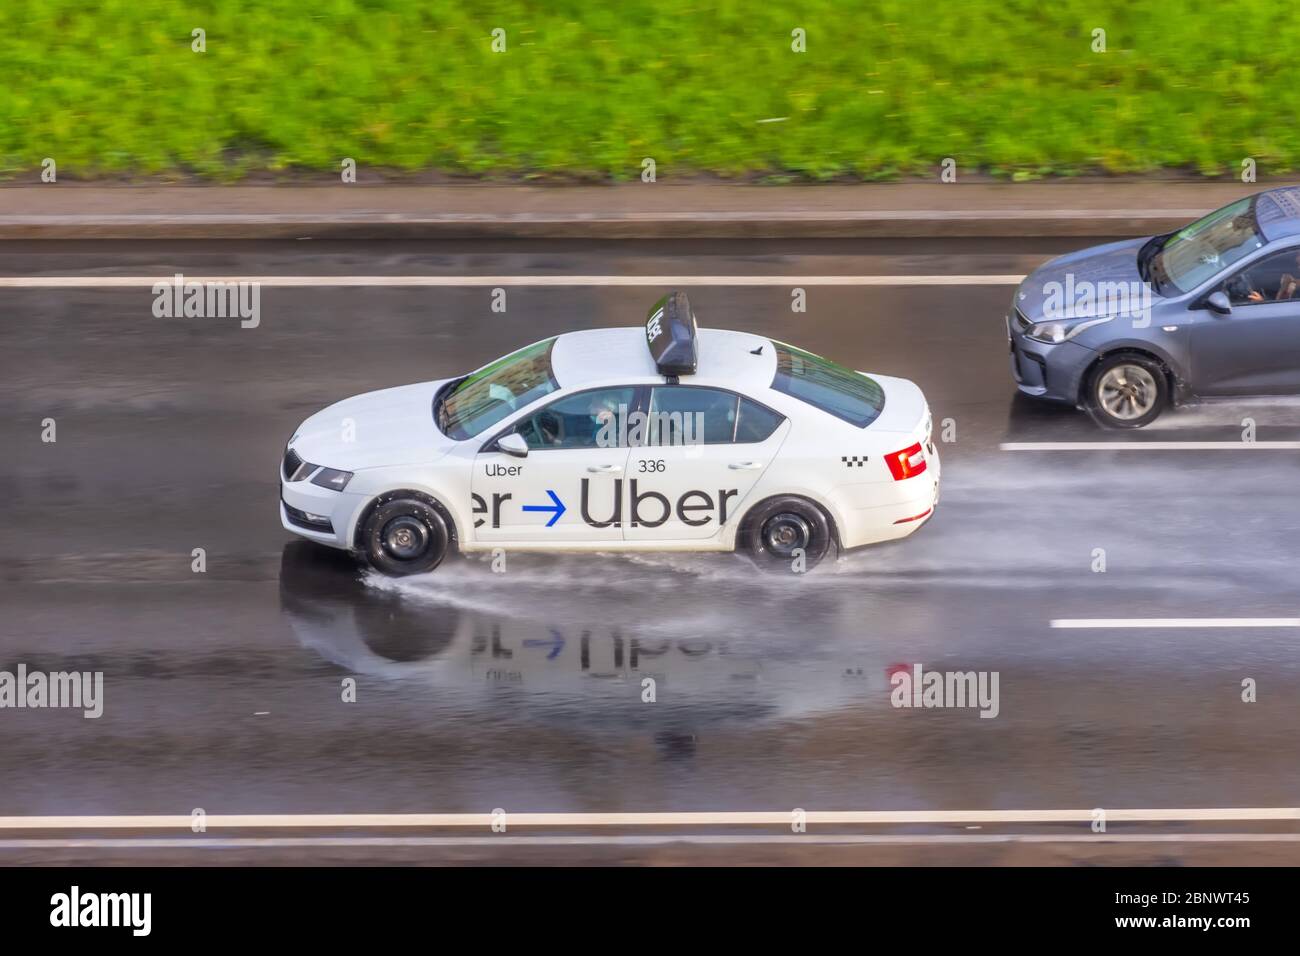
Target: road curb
[{"x": 866, "y": 224}]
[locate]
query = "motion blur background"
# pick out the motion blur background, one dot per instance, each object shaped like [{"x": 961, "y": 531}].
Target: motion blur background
[{"x": 1014, "y": 88}]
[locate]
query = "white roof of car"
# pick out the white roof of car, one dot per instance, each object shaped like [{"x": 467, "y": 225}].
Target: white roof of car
[{"x": 602, "y": 355}]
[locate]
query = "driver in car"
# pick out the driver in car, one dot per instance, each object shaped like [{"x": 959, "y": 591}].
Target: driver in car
[
  {"x": 1287, "y": 287},
  {"x": 562, "y": 429},
  {"x": 1241, "y": 289}
]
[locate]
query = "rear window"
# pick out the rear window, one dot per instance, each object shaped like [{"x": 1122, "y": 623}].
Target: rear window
[{"x": 836, "y": 390}]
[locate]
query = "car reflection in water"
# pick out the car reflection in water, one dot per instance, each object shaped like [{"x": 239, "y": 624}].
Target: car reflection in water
[{"x": 549, "y": 664}]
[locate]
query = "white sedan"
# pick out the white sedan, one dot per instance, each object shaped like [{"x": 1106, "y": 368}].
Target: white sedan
[{"x": 667, "y": 438}]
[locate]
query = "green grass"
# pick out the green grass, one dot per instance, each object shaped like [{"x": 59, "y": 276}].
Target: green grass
[{"x": 589, "y": 89}]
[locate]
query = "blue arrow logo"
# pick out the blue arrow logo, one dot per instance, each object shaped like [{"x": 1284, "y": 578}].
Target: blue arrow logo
[
  {"x": 557, "y": 507},
  {"x": 556, "y": 643}
]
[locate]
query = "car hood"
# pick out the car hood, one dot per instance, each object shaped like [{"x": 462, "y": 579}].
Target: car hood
[
  {"x": 393, "y": 426},
  {"x": 1080, "y": 283}
]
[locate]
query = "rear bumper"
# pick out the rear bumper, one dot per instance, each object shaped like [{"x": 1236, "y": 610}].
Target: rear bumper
[{"x": 893, "y": 511}]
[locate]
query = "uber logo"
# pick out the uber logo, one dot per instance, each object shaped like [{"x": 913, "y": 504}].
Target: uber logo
[
  {"x": 650, "y": 509},
  {"x": 481, "y": 507},
  {"x": 653, "y": 327}
]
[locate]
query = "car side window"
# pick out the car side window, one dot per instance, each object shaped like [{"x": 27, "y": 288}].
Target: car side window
[
  {"x": 691, "y": 415},
  {"x": 756, "y": 423},
  {"x": 584, "y": 420},
  {"x": 1274, "y": 278}
]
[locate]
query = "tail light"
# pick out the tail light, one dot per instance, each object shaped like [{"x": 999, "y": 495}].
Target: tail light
[{"x": 907, "y": 463}]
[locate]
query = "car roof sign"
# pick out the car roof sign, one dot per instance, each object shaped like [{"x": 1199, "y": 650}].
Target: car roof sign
[{"x": 670, "y": 333}]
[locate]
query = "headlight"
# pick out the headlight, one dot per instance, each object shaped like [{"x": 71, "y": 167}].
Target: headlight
[
  {"x": 1061, "y": 330},
  {"x": 332, "y": 478},
  {"x": 296, "y": 469}
]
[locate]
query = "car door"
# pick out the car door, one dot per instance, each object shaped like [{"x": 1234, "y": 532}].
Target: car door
[
  {"x": 1255, "y": 349},
  {"x": 704, "y": 450},
  {"x": 569, "y": 487}
]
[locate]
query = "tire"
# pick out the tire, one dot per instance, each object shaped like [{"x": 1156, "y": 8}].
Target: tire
[
  {"x": 776, "y": 528},
  {"x": 1126, "y": 391},
  {"x": 405, "y": 536}
]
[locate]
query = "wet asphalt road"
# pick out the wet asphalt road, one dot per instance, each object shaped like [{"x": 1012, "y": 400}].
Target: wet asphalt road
[{"x": 523, "y": 690}]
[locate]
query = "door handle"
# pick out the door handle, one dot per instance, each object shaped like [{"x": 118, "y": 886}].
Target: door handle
[
  {"x": 745, "y": 465},
  {"x": 605, "y": 469}
]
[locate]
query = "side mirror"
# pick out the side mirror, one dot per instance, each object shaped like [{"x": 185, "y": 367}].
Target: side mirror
[
  {"x": 513, "y": 444},
  {"x": 1218, "y": 303}
]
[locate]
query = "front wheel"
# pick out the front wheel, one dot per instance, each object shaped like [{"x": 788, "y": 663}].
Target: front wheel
[
  {"x": 406, "y": 536},
  {"x": 1126, "y": 391},
  {"x": 786, "y": 530}
]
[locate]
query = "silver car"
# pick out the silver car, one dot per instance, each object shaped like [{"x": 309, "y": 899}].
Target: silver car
[{"x": 1126, "y": 329}]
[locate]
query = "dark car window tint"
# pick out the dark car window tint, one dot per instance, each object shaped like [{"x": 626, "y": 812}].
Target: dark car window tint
[
  {"x": 756, "y": 423},
  {"x": 585, "y": 420},
  {"x": 682, "y": 415},
  {"x": 834, "y": 389},
  {"x": 1274, "y": 278}
]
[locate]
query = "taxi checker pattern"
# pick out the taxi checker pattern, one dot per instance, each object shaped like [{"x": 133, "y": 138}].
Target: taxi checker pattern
[{"x": 660, "y": 437}]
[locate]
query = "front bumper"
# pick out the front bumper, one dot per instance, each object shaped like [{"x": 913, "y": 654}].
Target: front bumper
[
  {"x": 304, "y": 506},
  {"x": 1053, "y": 372}
]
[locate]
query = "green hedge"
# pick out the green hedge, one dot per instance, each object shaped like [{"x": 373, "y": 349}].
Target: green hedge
[{"x": 590, "y": 88}]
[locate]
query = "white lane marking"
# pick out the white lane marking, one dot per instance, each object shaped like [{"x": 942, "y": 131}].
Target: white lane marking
[
  {"x": 1150, "y": 445},
  {"x": 453, "y": 281},
  {"x": 182, "y": 843},
  {"x": 263, "y": 821},
  {"x": 1187, "y": 622}
]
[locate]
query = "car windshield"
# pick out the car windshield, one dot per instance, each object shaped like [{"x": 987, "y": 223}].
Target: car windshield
[
  {"x": 834, "y": 389},
  {"x": 480, "y": 400},
  {"x": 1201, "y": 251}
]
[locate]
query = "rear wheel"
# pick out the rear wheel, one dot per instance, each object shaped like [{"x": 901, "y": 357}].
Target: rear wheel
[
  {"x": 406, "y": 536},
  {"x": 782, "y": 530},
  {"x": 1126, "y": 391}
]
